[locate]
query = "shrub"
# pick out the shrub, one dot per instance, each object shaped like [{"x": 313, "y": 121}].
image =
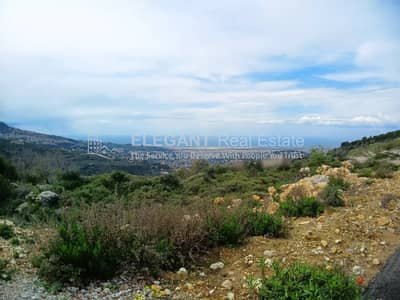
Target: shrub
[
  {"x": 384, "y": 170},
  {"x": 80, "y": 253},
  {"x": 101, "y": 237},
  {"x": 5, "y": 272},
  {"x": 261, "y": 223},
  {"x": 303, "y": 281},
  {"x": 332, "y": 194},
  {"x": 228, "y": 226},
  {"x": 5, "y": 188},
  {"x": 71, "y": 180},
  {"x": 339, "y": 182},
  {"x": 305, "y": 207},
  {"x": 319, "y": 157},
  {"x": 7, "y": 169},
  {"x": 6, "y": 231}
]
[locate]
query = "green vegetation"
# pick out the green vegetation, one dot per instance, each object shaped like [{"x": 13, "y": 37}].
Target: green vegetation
[
  {"x": 306, "y": 207},
  {"x": 268, "y": 225},
  {"x": 319, "y": 157},
  {"x": 375, "y": 144},
  {"x": 303, "y": 281},
  {"x": 376, "y": 168},
  {"x": 5, "y": 272},
  {"x": 99, "y": 239},
  {"x": 332, "y": 195},
  {"x": 6, "y": 231},
  {"x": 7, "y": 174}
]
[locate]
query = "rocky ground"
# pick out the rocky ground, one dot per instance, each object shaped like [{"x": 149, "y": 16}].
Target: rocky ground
[{"x": 360, "y": 237}]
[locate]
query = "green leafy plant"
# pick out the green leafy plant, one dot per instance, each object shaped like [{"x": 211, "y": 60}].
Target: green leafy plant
[
  {"x": 305, "y": 207},
  {"x": 5, "y": 272},
  {"x": 261, "y": 223},
  {"x": 306, "y": 282},
  {"x": 228, "y": 227},
  {"x": 80, "y": 253},
  {"x": 6, "y": 231}
]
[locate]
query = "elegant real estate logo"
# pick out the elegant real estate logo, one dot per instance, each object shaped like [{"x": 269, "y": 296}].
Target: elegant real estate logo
[{"x": 211, "y": 148}]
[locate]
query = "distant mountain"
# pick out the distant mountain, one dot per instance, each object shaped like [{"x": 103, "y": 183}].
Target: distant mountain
[
  {"x": 20, "y": 136},
  {"x": 42, "y": 154}
]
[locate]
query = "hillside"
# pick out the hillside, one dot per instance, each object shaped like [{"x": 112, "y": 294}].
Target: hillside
[
  {"x": 204, "y": 232},
  {"x": 39, "y": 156}
]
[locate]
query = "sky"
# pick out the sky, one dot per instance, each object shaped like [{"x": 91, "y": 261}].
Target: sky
[{"x": 313, "y": 69}]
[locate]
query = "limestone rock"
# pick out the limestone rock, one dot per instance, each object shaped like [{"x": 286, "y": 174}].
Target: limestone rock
[
  {"x": 217, "y": 266},
  {"x": 182, "y": 274},
  {"x": 48, "y": 198},
  {"x": 227, "y": 284}
]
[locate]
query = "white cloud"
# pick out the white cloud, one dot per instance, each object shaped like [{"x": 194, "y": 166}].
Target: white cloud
[{"x": 139, "y": 63}]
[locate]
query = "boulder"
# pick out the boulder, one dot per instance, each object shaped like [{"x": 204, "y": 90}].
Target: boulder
[
  {"x": 23, "y": 207},
  {"x": 306, "y": 187},
  {"x": 48, "y": 198}
]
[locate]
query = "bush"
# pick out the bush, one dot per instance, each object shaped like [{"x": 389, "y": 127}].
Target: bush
[
  {"x": 6, "y": 231},
  {"x": 80, "y": 254},
  {"x": 228, "y": 227},
  {"x": 339, "y": 182},
  {"x": 5, "y": 188},
  {"x": 302, "y": 281},
  {"x": 319, "y": 157},
  {"x": 5, "y": 273},
  {"x": 71, "y": 180},
  {"x": 305, "y": 207},
  {"x": 160, "y": 237},
  {"x": 384, "y": 170},
  {"x": 332, "y": 194},
  {"x": 261, "y": 223}
]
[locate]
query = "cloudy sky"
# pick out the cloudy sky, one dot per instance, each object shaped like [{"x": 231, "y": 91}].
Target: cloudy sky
[{"x": 327, "y": 69}]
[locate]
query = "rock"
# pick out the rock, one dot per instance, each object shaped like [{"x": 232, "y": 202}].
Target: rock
[
  {"x": 357, "y": 270},
  {"x": 7, "y": 222},
  {"x": 324, "y": 243},
  {"x": 236, "y": 202},
  {"x": 268, "y": 253},
  {"x": 217, "y": 266},
  {"x": 306, "y": 187},
  {"x": 249, "y": 260},
  {"x": 219, "y": 200},
  {"x": 383, "y": 221},
  {"x": 305, "y": 171},
  {"x": 48, "y": 198},
  {"x": 347, "y": 164},
  {"x": 23, "y": 207},
  {"x": 167, "y": 292},
  {"x": 272, "y": 207},
  {"x": 227, "y": 284},
  {"x": 272, "y": 191},
  {"x": 202, "y": 274},
  {"x": 44, "y": 187},
  {"x": 376, "y": 262},
  {"x": 230, "y": 296},
  {"x": 72, "y": 289},
  {"x": 182, "y": 274},
  {"x": 268, "y": 263},
  {"x": 188, "y": 286}
]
